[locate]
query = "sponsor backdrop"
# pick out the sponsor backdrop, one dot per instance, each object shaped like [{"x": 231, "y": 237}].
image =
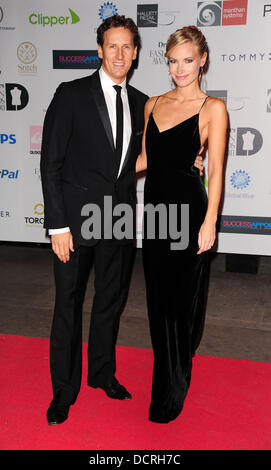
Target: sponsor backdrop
[{"x": 44, "y": 43}]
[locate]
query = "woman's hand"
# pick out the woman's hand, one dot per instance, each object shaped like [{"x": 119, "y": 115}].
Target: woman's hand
[{"x": 207, "y": 235}]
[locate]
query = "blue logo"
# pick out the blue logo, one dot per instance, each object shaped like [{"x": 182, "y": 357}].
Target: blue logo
[
  {"x": 240, "y": 179},
  {"x": 10, "y": 174},
  {"x": 10, "y": 138},
  {"x": 107, "y": 10}
]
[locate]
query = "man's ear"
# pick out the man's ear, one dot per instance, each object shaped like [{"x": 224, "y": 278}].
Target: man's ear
[
  {"x": 135, "y": 53},
  {"x": 100, "y": 51}
]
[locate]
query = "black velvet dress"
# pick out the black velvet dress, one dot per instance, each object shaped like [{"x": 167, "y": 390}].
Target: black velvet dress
[{"x": 176, "y": 280}]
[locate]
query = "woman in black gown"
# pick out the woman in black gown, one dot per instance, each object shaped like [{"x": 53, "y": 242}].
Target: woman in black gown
[{"x": 177, "y": 124}]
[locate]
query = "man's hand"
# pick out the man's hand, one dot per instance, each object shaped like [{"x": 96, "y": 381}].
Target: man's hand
[
  {"x": 62, "y": 243},
  {"x": 198, "y": 162}
]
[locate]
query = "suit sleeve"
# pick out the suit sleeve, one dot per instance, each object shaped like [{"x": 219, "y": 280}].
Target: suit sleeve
[{"x": 57, "y": 130}]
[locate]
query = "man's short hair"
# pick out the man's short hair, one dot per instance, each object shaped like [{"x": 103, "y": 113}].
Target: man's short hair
[{"x": 117, "y": 21}]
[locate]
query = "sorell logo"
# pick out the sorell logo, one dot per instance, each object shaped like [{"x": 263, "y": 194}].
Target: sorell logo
[{"x": 39, "y": 18}]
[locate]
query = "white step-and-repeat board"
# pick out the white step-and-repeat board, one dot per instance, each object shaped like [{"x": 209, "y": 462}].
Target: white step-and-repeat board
[{"x": 44, "y": 43}]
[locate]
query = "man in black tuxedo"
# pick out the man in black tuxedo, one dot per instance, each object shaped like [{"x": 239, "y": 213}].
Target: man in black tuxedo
[{"x": 91, "y": 140}]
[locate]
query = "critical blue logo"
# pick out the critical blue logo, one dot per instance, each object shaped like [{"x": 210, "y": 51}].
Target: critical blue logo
[
  {"x": 240, "y": 179},
  {"x": 107, "y": 10}
]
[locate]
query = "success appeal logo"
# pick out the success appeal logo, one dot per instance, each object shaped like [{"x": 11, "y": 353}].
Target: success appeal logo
[
  {"x": 222, "y": 13},
  {"x": 44, "y": 20}
]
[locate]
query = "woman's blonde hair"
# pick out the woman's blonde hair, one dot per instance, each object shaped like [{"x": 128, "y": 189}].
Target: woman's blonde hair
[{"x": 189, "y": 34}]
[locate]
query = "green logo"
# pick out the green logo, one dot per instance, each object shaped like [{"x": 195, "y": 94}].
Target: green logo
[{"x": 39, "y": 18}]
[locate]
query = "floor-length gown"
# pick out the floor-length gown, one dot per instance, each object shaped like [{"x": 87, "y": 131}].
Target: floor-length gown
[{"x": 176, "y": 280}]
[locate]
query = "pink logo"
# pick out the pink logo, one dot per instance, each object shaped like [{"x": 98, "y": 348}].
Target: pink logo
[
  {"x": 234, "y": 12},
  {"x": 35, "y": 137}
]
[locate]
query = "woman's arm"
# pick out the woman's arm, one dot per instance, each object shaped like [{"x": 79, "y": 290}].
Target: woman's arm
[
  {"x": 217, "y": 132},
  {"x": 141, "y": 163}
]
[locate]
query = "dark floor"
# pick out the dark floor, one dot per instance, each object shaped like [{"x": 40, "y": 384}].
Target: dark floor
[{"x": 238, "y": 316}]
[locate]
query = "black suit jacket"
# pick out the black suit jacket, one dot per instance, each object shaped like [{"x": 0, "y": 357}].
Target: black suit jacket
[{"x": 78, "y": 163}]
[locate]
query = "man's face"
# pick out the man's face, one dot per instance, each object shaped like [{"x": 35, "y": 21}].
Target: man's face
[{"x": 117, "y": 52}]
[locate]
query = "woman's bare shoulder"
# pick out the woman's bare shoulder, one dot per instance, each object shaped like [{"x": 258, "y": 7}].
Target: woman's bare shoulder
[
  {"x": 150, "y": 104},
  {"x": 216, "y": 105}
]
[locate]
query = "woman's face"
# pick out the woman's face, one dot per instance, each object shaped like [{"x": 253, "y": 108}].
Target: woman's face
[{"x": 184, "y": 63}]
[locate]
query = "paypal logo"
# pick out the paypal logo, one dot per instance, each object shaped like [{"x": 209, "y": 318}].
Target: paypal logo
[{"x": 9, "y": 174}]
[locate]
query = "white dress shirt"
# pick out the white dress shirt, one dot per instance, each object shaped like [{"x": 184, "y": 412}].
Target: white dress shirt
[{"x": 110, "y": 98}]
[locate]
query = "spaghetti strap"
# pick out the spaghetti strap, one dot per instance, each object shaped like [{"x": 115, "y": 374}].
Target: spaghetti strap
[
  {"x": 203, "y": 103},
  {"x": 155, "y": 102}
]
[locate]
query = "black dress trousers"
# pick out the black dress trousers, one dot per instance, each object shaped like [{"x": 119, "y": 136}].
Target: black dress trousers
[{"x": 112, "y": 270}]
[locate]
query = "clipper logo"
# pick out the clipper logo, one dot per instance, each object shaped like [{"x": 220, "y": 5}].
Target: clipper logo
[
  {"x": 13, "y": 97},
  {"x": 240, "y": 179},
  {"x": 245, "y": 141},
  {"x": 222, "y": 13},
  {"x": 40, "y": 19},
  {"x": 107, "y": 10}
]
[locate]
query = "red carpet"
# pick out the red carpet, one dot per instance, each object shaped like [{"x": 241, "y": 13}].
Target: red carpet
[{"x": 227, "y": 408}]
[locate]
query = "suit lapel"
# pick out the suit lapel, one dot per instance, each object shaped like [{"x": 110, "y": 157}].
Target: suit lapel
[
  {"x": 98, "y": 96},
  {"x": 99, "y": 99}
]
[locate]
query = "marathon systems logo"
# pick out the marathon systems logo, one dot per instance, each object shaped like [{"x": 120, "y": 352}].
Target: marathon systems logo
[
  {"x": 77, "y": 59},
  {"x": 250, "y": 225},
  {"x": 222, "y": 13},
  {"x": 44, "y": 20},
  {"x": 13, "y": 97}
]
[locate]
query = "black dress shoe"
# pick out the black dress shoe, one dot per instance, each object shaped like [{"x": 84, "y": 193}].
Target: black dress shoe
[
  {"x": 117, "y": 391},
  {"x": 57, "y": 414}
]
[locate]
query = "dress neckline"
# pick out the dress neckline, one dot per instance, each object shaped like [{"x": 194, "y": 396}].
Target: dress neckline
[{"x": 173, "y": 127}]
